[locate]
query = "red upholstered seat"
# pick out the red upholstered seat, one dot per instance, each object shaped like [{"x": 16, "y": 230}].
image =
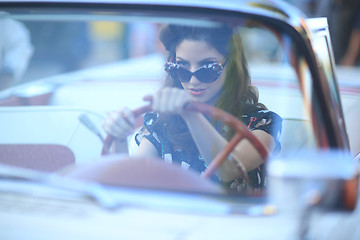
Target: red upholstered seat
[
  {"x": 120, "y": 170},
  {"x": 42, "y": 157}
]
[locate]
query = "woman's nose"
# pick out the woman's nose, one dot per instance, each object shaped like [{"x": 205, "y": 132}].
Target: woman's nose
[{"x": 194, "y": 80}]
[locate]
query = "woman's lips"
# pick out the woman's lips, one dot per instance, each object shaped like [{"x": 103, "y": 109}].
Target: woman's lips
[{"x": 197, "y": 91}]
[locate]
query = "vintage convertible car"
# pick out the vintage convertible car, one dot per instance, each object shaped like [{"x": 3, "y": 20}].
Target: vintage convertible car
[{"x": 65, "y": 64}]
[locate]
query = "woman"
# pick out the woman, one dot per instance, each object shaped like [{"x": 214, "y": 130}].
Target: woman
[{"x": 205, "y": 65}]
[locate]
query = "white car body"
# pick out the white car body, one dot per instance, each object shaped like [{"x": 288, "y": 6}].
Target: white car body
[{"x": 317, "y": 102}]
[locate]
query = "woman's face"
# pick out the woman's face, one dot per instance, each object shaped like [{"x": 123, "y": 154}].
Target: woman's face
[{"x": 192, "y": 55}]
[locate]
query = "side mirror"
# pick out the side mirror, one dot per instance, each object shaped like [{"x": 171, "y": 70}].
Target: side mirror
[
  {"x": 351, "y": 187},
  {"x": 325, "y": 179}
]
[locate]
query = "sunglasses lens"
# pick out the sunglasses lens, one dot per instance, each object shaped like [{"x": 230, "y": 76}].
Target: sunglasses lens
[
  {"x": 206, "y": 75},
  {"x": 180, "y": 74}
]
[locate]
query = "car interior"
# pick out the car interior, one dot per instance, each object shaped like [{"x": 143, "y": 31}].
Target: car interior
[{"x": 55, "y": 116}]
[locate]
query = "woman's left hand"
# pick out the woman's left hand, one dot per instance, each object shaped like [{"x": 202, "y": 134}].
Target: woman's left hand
[{"x": 170, "y": 100}]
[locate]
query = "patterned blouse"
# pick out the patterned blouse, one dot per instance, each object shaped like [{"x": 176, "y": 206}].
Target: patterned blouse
[{"x": 264, "y": 120}]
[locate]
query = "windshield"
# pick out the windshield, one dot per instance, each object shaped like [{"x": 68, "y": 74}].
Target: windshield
[{"x": 66, "y": 78}]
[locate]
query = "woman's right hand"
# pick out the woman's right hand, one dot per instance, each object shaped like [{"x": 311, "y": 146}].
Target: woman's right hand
[
  {"x": 170, "y": 100},
  {"x": 119, "y": 124}
]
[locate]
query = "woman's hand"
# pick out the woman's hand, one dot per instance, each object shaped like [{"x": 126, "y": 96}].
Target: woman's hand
[
  {"x": 170, "y": 100},
  {"x": 119, "y": 124}
]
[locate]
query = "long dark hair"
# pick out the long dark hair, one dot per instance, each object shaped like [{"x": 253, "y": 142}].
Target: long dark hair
[{"x": 237, "y": 96}]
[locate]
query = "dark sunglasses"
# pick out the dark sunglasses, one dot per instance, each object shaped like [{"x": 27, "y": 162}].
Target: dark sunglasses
[{"x": 206, "y": 74}]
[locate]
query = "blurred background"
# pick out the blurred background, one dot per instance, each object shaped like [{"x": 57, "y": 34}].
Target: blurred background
[
  {"x": 99, "y": 43},
  {"x": 344, "y": 24},
  {"x": 92, "y": 43}
]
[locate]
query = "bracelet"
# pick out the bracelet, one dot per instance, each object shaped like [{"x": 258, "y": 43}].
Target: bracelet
[{"x": 241, "y": 168}]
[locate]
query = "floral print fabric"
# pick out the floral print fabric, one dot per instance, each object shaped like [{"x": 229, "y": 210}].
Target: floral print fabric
[{"x": 264, "y": 120}]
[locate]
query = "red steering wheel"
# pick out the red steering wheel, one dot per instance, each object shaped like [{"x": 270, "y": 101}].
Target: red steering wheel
[{"x": 241, "y": 132}]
